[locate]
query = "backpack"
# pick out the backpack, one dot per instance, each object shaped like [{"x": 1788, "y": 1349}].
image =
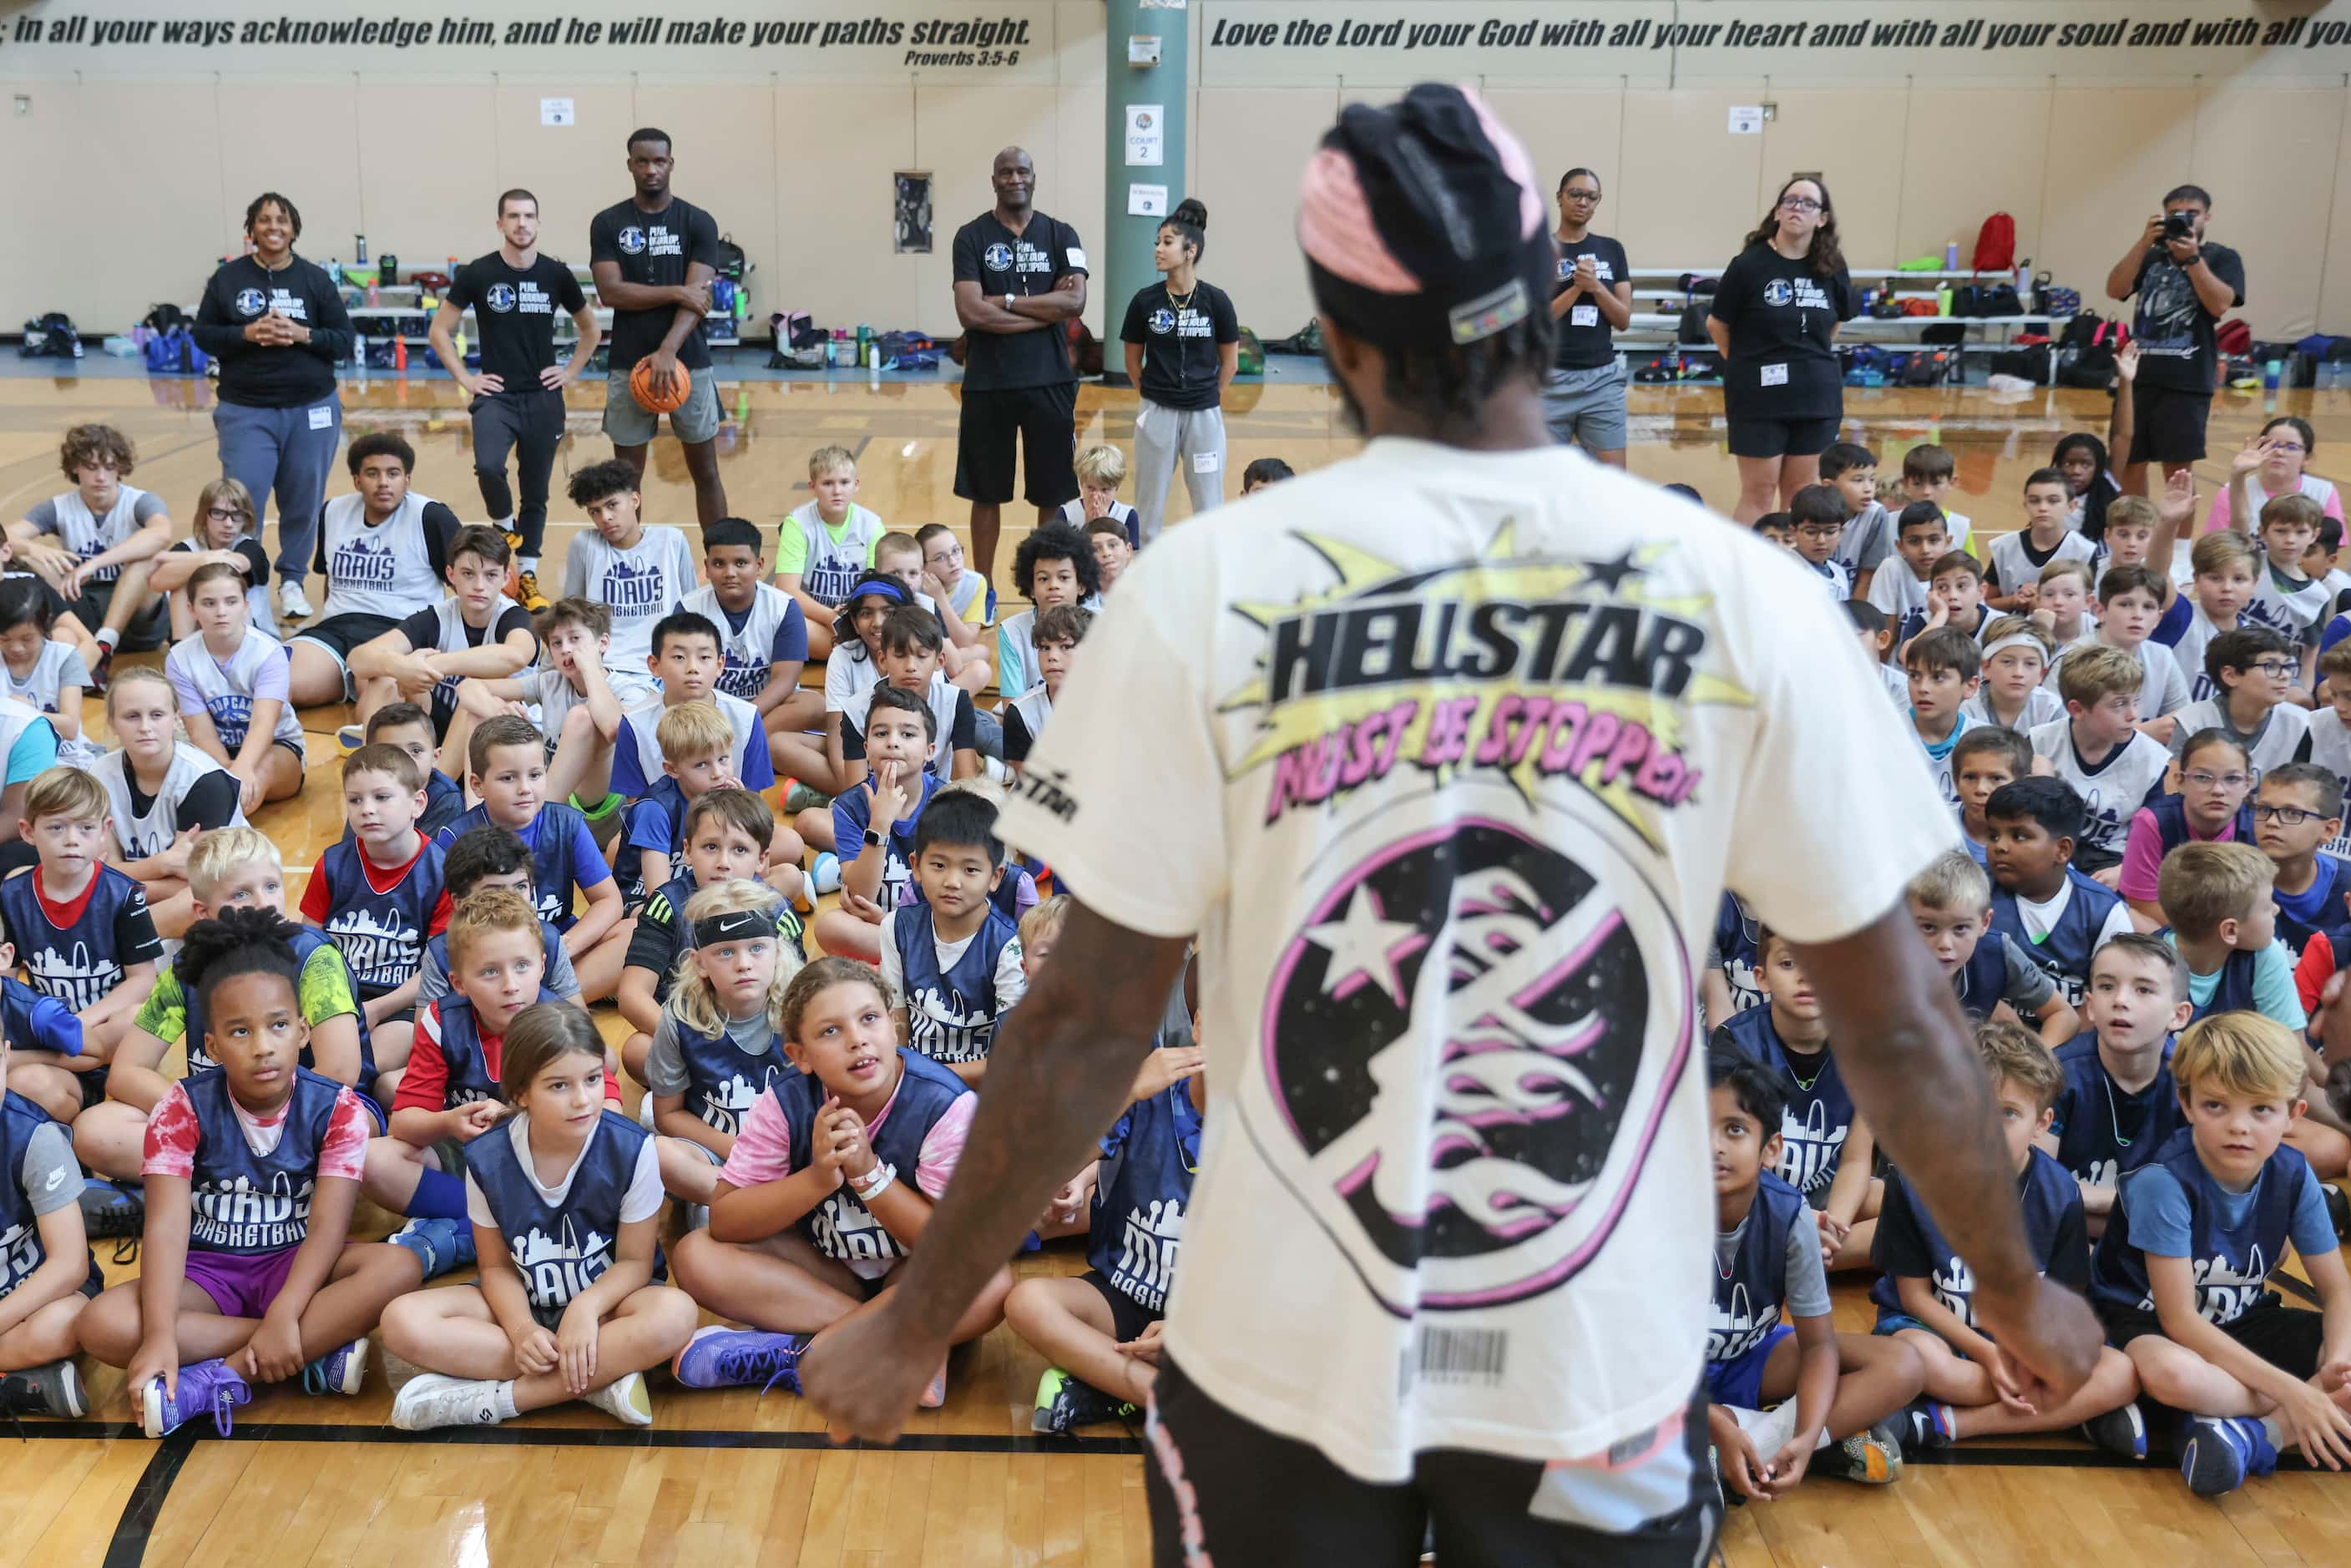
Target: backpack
[
  {"x": 174, "y": 353},
  {"x": 2091, "y": 361},
  {"x": 52, "y": 336},
  {"x": 1690, "y": 330},
  {"x": 1995, "y": 245},
  {"x": 165, "y": 317},
  {"x": 733, "y": 265},
  {"x": 1306, "y": 339},
  {"x": 1251, "y": 361},
  {"x": 2234, "y": 339}
]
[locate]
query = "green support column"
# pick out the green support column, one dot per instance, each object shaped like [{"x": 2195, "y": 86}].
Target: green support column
[{"x": 1162, "y": 90}]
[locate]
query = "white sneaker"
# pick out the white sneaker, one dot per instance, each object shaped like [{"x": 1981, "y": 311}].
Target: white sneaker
[
  {"x": 433, "y": 1400},
  {"x": 625, "y": 1399},
  {"x": 291, "y": 603}
]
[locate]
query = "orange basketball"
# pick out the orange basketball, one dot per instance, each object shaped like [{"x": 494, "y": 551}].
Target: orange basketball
[{"x": 641, "y": 387}]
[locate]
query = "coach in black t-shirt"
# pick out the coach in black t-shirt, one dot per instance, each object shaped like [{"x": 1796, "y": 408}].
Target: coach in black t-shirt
[
  {"x": 2185, "y": 284},
  {"x": 517, "y": 395},
  {"x": 1583, "y": 395},
  {"x": 652, "y": 258},
  {"x": 1020, "y": 276},
  {"x": 1182, "y": 344}
]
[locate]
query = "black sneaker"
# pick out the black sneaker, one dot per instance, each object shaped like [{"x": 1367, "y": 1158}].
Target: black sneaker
[
  {"x": 2122, "y": 1431},
  {"x": 55, "y": 1389},
  {"x": 110, "y": 1211},
  {"x": 2338, "y": 1210},
  {"x": 99, "y": 672},
  {"x": 1064, "y": 1403}
]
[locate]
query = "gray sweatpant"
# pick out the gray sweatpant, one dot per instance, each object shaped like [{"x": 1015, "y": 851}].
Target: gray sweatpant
[
  {"x": 1164, "y": 438},
  {"x": 291, "y": 452}
]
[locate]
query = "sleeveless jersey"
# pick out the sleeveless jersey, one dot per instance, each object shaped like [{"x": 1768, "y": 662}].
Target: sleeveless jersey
[
  {"x": 1736, "y": 933},
  {"x": 841, "y": 1227},
  {"x": 2230, "y": 1262},
  {"x": 741, "y": 717},
  {"x": 2102, "y": 1132},
  {"x": 42, "y": 683},
  {"x": 2235, "y": 991},
  {"x": 2284, "y": 738},
  {"x": 2044, "y": 1191},
  {"x": 1819, "y": 1112},
  {"x": 2063, "y": 955},
  {"x": 2170, "y": 814},
  {"x": 723, "y": 1083},
  {"x": 2012, "y": 565},
  {"x": 1142, "y": 1184},
  {"x": 561, "y": 1251},
  {"x": 951, "y": 1015},
  {"x": 250, "y": 1204},
  {"x": 2334, "y": 920},
  {"x": 1982, "y": 981},
  {"x": 680, "y": 888},
  {"x": 2287, "y": 608},
  {"x": 2041, "y": 707},
  {"x": 383, "y": 571},
  {"x": 2114, "y": 790},
  {"x": 832, "y": 570},
  {"x": 449, "y": 618},
  {"x": 2330, "y": 747},
  {"x": 227, "y": 692},
  {"x": 1035, "y": 707},
  {"x": 470, "y": 1079},
  {"x": 307, "y": 940},
  {"x": 382, "y": 934},
  {"x": 21, "y": 1252},
  {"x": 641, "y": 584},
  {"x": 77, "y": 965},
  {"x": 1746, "y": 1307},
  {"x": 552, "y": 881},
  {"x": 89, "y": 536},
  {"x": 747, "y": 651},
  {"x": 669, "y": 800},
  {"x": 151, "y": 833}
]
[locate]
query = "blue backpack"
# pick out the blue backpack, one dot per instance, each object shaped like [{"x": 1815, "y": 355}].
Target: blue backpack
[{"x": 174, "y": 353}]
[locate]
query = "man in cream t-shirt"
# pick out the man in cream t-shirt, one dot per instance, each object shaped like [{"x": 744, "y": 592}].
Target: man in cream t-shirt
[{"x": 1447, "y": 753}]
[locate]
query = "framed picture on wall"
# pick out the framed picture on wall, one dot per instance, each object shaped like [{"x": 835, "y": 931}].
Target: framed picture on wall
[{"x": 910, "y": 209}]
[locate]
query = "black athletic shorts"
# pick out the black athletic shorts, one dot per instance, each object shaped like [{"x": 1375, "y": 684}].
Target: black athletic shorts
[
  {"x": 1783, "y": 437},
  {"x": 150, "y": 627},
  {"x": 338, "y": 634},
  {"x": 1128, "y": 1317},
  {"x": 1045, "y": 421},
  {"x": 1225, "y": 1489},
  {"x": 2170, "y": 424},
  {"x": 2286, "y": 1337}
]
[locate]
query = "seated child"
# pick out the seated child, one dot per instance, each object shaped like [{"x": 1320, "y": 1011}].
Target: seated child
[
  {"x": 46, "y": 1273},
  {"x": 640, "y": 573},
  {"x": 563, "y": 1210},
  {"x": 839, "y": 1201},
  {"x": 2129, "y": 605},
  {"x": 1927, "y": 472},
  {"x": 951, "y": 957},
  {"x": 2286, "y": 600},
  {"x": 1954, "y": 598},
  {"x": 1112, "y": 553},
  {"x": 1825, "y": 1148},
  {"x": 2215, "y": 776},
  {"x": 2224, "y": 925},
  {"x": 493, "y": 857},
  {"x": 1993, "y": 977},
  {"x": 825, "y": 544},
  {"x": 766, "y": 642},
  {"x": 279, "y": 1290},
  {"x": 2223, "y": 566},
  {"x": 2053, "y": 914},
  {"x": 2019, "y": 559},
  {"x": 40, "y": 671},
  {"x": 686, "y": 659},
  {"x": 96, "y": 544},
  {"x": 1054, "y": 565},
  {"x": 161, "y": 792},
  {"x": 910, "y": 662},
  {"x": 1925, "y": 1292},
  {"x": 875, "y": 822},
  {"x": 2061, "y": 605},
  {"x": 2178, "y": 1276},
  {"x": 1734, "y": 960},
  {"x": 81, "y": 930},
  {"x": 1984, "y": 760},
  {"x": 476, "y": 632},
  {"x": 1920, "y": 540},
  {"x": 410, "y": 728},
  {"x": 226, "y": 532},
  {"x": 718, "y": 1046},
  {"x": 2129, "y": 538},
  {"x": 1825, "y": 1388},
  {"x": 1876, "y": 632},
  {"x": 1059, "y": 631},
  {"x": 852, "y": 671},
  {"x": 960, "y": 652},
  {"x": 2015, "y": 657},
  {"x": 1101, "y": 471},
  {"x": 1868, "y": 537},
  {"x": 1816, "y": 521},
  {"x": 2097, "y": 748},
  {"x": 231, "y": 679},
  {"x": 507, "y": 770},
  {"x": 2117, "y": 1107},
  {"x": 2300, "y": 810},
  {"x": 963, "y": 592},
  {"x": 696, "y": 743},
  {"x": 1942, "y": 664},
  {"x": 2330, "y": 724},
  {"x": 1264, "y": 471},
  {"x": 378, "y": 895},
  {"x": 383, "y": 549},
  {"x": 2252, "y": 669},
  {"x": 1777, "y": 528},
  {"x": 1099, "y": 1331}
]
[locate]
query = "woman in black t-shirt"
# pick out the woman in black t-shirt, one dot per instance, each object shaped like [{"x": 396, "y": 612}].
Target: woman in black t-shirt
[
  {"x": 1774, "y": 319},
  {"x": 1182, "y": 344}
]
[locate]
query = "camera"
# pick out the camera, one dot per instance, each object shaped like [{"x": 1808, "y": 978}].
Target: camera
[{"x": 2179, "y": 226}]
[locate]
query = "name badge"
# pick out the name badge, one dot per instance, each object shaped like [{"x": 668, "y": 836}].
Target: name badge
[
  {"x": 1774, "y": 376},
  {"x": 1583, "y": 315},
  {"x": 322, "y": 417},
  {"x": 1205, "y": 461}
]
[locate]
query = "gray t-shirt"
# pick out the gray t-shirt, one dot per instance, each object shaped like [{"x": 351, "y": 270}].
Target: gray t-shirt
[
  {"x": 2028, "y": 987},
  {"x": 433, "y": 980},
  {"x": 51, "y": 1176},
  {"x": 665, "y": 1062},
  {"x": 1808, "y": 1280}
]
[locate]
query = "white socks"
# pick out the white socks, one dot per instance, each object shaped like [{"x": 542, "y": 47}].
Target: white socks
[
  {"x": 1771, "y": 1430},
  {"x": 505, "y": 1397},
  {"x": 107, "y": 637}
]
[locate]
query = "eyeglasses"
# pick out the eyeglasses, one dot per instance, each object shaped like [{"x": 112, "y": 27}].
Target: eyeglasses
[
  {"x": 1573, "y": 194},
  {"x": 2221, "y": 781},
  {"x": 1820, "y": 530},
  {"x": 2278, "y": 669},
  {"x": 2283, "y": 816},
  {"x": 1800, "y": 204},
  {"x": 224, "y": 514},
  {"x": 2285, "y": 446}
]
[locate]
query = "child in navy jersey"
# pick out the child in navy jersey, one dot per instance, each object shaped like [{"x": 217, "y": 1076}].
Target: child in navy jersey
[
  {"x": 563, "y": 1193},
  {"x": 1993, "y": 977},
  {"x": 1828, "y": 1388},
  {"x": 81, "y": 930},
  {"x": 1730, "y": 986},
  {"x": 719, "y": 1046},
  {"x": 695, "y": 744},
  {"x": 2224, "y": 925},
  {"x": 764, "y": 634},
  {"x": 2179, "y": 1277},
  {"x": 951, "y": 957},
  {"x": 2300, "y": 809},
  {"x": 378, "y": 895},
  {"x": 1926, "y": 1293},
  {"x": 484, "y": 858},
  {"x": 1985, "y": 759},
  {"x": 875, "y": 823},
  {"x": 247, "y": 1273},
  {"x": 2117, "y": 1106},
  {"x": 46, "y": 1273},
  {"x": 2054, "y": 914},
  {"x": 1099, "y": 1332},
  {"x": 687, "y": 659},
  {"x": 410, "y": 728},
  {"x": 829, "y": 1185}
]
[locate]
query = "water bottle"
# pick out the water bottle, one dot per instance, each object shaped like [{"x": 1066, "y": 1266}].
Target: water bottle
[
  {"x": 360, "y": 243},
  {"x": 1943, "y": 298},
  {"x": 2024, "y": 279},
  {"x": 2272, "y": 373},
  {"x": 1950, "y": 255}
]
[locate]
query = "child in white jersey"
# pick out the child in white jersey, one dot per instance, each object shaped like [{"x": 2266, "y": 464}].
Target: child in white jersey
[
  {"x": 639, "y": 572},
  {"x": 826, "y": 544},
  {"x": 225, "y": 529},
  {"x": 382, "y": 549},
  {"x": 2097, "y": 748},
  {"x": 37, "y": 669},
  {"x": 2061, "y": 605},
  {"x": 2015, "y": 657},
  {"x": 107, "y": 535},
  {"x": 2018, "y": 559},
  {"x": 163, "y": 792},
  {"x": 231, "y": 680}
]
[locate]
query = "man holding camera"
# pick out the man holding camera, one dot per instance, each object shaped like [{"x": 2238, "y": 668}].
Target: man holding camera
[{"x": 2184, "y": 285}]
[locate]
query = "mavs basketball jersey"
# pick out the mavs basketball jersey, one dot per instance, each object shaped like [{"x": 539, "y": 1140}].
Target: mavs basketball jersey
[
  {"x": 951, "y": 1014},
  {"x": 748, "y": 650},
  {"x": 470, "y": 1078},
  {"x": 832, "y": 570},
  {"x": 21, "y": 1252},
  {"x": 250, "y": 1204},
  {"x": 89, "y": 536},
  {"x": 452, "y": 637},
  {"x": 149, "y": 833},
  {"x": 2231, "y": 1261},
  {"x": 75, "y": 964},
  {"x": 841, "y": 1227},
  {"x": 2113, "y": 790},
  {"x": 307, "y": 941},
  {"x": 2063, "y": 955},
  {"x": 741, "y": 717},
  {"x": 560, "y": 1249},
  {"x": 1142, "y": 1184},
  {"x": 384, "y": 570},
  {"x": 1746, "y": 1306},
  {"x": 2103, "y": 1132},
  {"x": 642, "y": 584},
  {"x": 381, "y": 933},
  {"x": 1982, "y": 983},
  {"x": 46, "y": 679},
  {"x": 1736, "y": 934},
  {"x": 2234, "y": 990},
  {"x": 724, "y": 1081},
  {"x": 227, "y": 689},
  {"x": 1908, "y": 1238},
  {"x": 550, "y": 837},
  {"x": 1818, "y": 1113}
]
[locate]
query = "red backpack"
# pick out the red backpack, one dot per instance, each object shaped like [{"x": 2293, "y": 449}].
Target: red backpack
[{"x": 1996, "y": 245}]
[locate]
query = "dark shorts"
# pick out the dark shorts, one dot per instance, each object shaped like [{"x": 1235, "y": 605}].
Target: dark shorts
[
  {"x": 241, "y": 1287},
  {"x": 301, "y": 758},
  {"x": 2092, "y": 859},
  {"x": 2170, "y": 423},
  {"x": 149, "y": 626},
  {"x": 1783, "y": 437},
  {"x": 1740, "y": 1381},
  {"x": 1128, "y": 1316},
  {"x": 1044, "y": 419},
  {"x": 338, "y": 634},
  {"x": 2286, "y": 1337},
  {"x": 1224, "y": 1490}
]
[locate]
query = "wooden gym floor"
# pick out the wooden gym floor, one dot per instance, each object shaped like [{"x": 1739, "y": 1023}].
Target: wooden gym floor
[{"x": 726, "y": 1478}]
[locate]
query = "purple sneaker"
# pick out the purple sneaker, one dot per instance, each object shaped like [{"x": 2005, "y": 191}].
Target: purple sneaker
[
  {"x": 340, "y": 1371},
  {"x": 739, "y": 1358},
  {"x": 206, "y": 1387}
]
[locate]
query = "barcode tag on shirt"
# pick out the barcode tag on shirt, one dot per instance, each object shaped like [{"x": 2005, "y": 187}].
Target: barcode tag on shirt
[
  {"x": 1774, "y": 376},
  {"x": 1583, "y": 315},
  {"x": 1455, "y": 1355}
]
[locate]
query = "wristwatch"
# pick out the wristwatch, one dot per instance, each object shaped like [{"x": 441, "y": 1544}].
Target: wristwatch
[
  {"x": 873, "y": 840},
  {"x": 1008, "y": 300}
]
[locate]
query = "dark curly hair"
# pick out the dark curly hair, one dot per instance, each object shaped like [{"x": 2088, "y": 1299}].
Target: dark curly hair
[
  {"x": 1827, "y": 255},
  {"x": 96, "y": 444},
  {"x": 1055, "y": 541},
  {"x": 268, "y": 198},
  {"x": 236, "y": 941}
]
